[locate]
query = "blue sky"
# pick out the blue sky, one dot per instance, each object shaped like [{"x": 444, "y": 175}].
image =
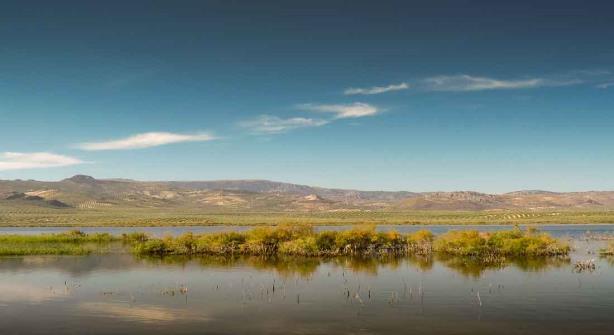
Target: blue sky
[{"x": 387, "y": 95}]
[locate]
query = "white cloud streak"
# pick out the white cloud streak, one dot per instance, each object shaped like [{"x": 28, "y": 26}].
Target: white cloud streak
[
  {"x": 467, "y": 83},
  {"x": 354, "y": 110},
  {"x": 34, "y": 160},
  {"x": 269, "y": 124},
  {"x": 471, "y": 83},
  {"x": 376, "y": 89},
  {"x": 605, "y": 85},
  {"x": 145, "y": 140}
]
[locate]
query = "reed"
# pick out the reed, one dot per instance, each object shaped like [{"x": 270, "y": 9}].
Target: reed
[
  {"x": 45, "y": 249},
  {"x": 74, "y": 236},
  {"x": 69, "y": 243}
]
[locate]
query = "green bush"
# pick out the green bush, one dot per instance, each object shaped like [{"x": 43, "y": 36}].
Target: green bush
[{"x": 504, "y": 243}]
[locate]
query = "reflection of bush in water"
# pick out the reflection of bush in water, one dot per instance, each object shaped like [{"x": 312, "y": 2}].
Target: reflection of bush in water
[
  {"x": 541, "y": 263},
  {"x": 476, "y": 266},
  {"x": 368, "y": 265},
  {"x": 371, "y": 265},
  {"x": 164, "y": 260},
  {"x": 287, "y": 266},
  {"x": 471, "y": 266},
  {"x": 424, "y": 263},
  {"x": 608, "y": 258}
]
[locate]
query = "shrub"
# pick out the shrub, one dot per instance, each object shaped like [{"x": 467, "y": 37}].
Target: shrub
[
  {"x": 220, "y": 243},
  {"x": 463, "y": 243},
  {"x": 504, "y": 243},
  {"x": 420, "y": 242},
  {"x": 304, "y": 246}
]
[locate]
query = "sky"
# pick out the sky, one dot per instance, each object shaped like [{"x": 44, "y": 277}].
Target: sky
[{"x": 488, "y": 96}]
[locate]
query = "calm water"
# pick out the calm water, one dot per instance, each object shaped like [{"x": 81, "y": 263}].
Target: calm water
[
  {"x": 572, "y": 230},
  {"x": 118, "y": 293}
]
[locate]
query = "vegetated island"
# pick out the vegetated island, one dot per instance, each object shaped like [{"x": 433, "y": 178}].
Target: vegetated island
[{"x": 298, "y": 241}]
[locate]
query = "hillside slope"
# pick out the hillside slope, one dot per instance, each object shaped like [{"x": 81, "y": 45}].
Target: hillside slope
[{"x": 85, "y": 192}]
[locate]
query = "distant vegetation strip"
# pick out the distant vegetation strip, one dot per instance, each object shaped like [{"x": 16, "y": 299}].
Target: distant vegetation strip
[
  {"x": 304, "y": 241},
  {"x": 69, "y": 243},
  {"x": 140, "y": 217}
]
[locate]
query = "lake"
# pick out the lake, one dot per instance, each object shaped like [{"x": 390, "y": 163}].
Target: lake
[
  {"x": 120, "y": 293},
  {"x": 572, "y": 230}
]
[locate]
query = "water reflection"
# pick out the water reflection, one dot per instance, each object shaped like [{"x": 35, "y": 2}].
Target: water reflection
[
  {"x": 290, "y": 266},
  {"x": 475, "y": 267},
  {"x": 120, "y": 293},
  {"x": 609, "y": 259},
  {"x": 285, "y": 266},
  {"x": 24, "y": 292},
  {"x": 557, "y": 230},
  {"x": 140, "y": 313},
  {"x": 73, "y": 265}
]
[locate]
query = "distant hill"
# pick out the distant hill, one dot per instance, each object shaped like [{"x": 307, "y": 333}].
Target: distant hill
[
  {"x": 17, "y": 198},
  {"x": 86, "y": 192},
  {"x": 266, "y": 186}
]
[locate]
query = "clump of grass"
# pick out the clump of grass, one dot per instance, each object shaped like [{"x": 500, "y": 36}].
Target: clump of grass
[
  {"x": 74, "y": 236},
  {"x": 69, "y": 243},
  {"x": 503, "y": 243},
  {"x": 44, "y": 249}
]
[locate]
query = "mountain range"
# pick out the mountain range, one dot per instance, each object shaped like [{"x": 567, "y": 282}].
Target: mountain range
[{"x": 85, "y": 192}]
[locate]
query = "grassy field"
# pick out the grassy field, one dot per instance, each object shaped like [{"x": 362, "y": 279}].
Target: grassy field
[{"x": 40, "y": 217}]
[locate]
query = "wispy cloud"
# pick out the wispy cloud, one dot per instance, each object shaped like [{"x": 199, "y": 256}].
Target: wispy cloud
[
  {"x": 146, "y": 140},
  {"x": 465, "y": 82},
  {"x": 376, "y": 89},
  {"x": 470, "y": 83},
  {"x": 34, "y": 160},
  {"x": 128, "y": 77},
  {"x": 269, "y": 124},
  {"x": 605, "y": 85},
  {"x": 354, "y": 110}
]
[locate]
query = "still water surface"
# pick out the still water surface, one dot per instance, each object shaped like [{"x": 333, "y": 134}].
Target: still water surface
[
  {"x": 119, "y": 293},
  {"x": 553, "y": 229}
]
